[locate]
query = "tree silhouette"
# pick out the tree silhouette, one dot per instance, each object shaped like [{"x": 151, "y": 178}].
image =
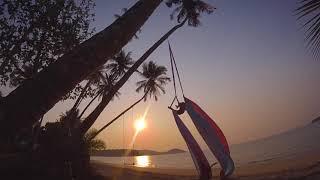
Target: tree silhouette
[
  {"x": 114, "y": 69},
  {"x": 102, "y": 90},
  {"x": 190, "y": 10},
  {"x": 70, "y": 69},
  {"x": 92, "y": 143},
  {"x": 120, "y": 63},
  {"x": 35, "y": 34},
  {"x": 119, "y": 16},
  {"x": 154, "y": 79},
  {"x": 88, "y": 122}
]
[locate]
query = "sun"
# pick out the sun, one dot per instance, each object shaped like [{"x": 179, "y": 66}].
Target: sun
[{"x": 140, "y": 124}]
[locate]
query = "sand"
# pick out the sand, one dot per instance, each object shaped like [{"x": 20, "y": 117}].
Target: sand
[{"x": 305, "y": 166}]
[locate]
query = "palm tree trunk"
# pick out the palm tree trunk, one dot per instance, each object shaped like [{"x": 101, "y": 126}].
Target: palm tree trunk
[
  {"x": 88, "y": 122},
  {"x": 79, "y": 99},
  {"x": 117, "y": 117},
  {"x": 73, "y": 110},
  {"x": 84, "y": 110},
  {"x": 46, "y": 89}
]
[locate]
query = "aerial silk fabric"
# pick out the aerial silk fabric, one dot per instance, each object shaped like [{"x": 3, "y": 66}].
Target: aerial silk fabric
[
  {"x": 197, "y": 155},
  {"x": 212, "y": 135}
]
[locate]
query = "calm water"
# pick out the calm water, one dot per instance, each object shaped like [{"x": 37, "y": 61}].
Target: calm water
[{"x": 285, "y": 145}]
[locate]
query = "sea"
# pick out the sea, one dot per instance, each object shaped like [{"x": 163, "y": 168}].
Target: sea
[{"x": 289, "y": 144}]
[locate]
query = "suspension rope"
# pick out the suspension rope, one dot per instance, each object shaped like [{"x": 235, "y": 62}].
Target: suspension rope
[
  {"x": 173, "y": 63},
  {"x": 172, "y": 70}
]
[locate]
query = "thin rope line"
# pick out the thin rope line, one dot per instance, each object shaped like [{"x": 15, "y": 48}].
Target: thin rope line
[
  {"x": 172, "y": 70},
  {"x": 174, "y": 61}
]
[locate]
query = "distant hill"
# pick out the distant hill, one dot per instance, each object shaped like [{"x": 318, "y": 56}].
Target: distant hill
[
  {"x": 175, "y": 151},
  {"x": 316, "y": 120},
  {"x": 129, "y": 152}
]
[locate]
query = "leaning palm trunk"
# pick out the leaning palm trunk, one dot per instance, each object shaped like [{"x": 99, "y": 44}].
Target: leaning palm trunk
[
  {"x": 81, "y": 96},
  {"x": 44, "y": 90},
  {"x": 88, "y": 122},
  {"x": 117, "y": 117},
  {"x": 85, "y": 109}
]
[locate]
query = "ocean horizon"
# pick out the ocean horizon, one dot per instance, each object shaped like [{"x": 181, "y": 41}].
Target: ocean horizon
[{"x": 286, "y": 145}]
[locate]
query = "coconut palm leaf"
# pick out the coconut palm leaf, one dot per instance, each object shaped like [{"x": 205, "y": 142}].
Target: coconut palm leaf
[
  {"x": 309, "y": 11},
  {"x": 154, "y": 78},
  {"x": 106, "y": 85},
  {"x": 190, "y": 10},
  {"x": 119, "y": 64}
]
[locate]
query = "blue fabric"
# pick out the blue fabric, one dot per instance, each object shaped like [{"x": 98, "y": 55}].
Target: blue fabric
[
  {"x": 212, "y": 135},
  {"x": 197, "y": 155}
]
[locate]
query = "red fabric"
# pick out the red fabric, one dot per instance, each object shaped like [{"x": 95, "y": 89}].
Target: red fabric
[{"x": 212, "y": 124}]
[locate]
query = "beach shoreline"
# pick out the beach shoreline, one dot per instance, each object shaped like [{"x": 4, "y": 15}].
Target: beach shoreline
[{"x": 306, "y": 166}]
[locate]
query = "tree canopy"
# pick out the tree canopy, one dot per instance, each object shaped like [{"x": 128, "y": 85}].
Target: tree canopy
[
  {"x": 154, "y": 78},
  {"x": 93, "y": 143},
  {"x": 190, "y": 10},
  {"x": 35, "y": 33}
]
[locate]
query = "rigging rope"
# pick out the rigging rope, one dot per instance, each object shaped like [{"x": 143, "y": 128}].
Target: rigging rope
[
  {"x": 173, "y": 69},
  {"x": 175, "y": 65}
]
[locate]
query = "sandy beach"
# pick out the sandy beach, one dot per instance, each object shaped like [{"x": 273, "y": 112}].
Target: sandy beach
[{"x": 306, "y": 166}]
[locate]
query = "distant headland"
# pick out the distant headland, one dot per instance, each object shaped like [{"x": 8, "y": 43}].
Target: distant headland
[
  {"x": 130, "y": 152},
  {"x": 316, "y": 120}
]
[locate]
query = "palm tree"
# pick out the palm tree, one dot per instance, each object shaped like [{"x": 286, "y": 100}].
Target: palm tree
[
  {"x": 89, "y": 121},
  {"x": 120, "y": 63},
  {"x": 93, "y": 79},
  {"x": 70, "y": 119},
  {"x": 154, "y": 78},
  {"x": 310, "y": 12},
  {"x": 117, "y": 67},
  {"x": 70, "y": 69},
  {"x": 190, "y": 10},
  {"x": 102, "y": 90}
]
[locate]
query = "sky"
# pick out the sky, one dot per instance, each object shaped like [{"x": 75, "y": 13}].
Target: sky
[{"x": 247, "y": 66}]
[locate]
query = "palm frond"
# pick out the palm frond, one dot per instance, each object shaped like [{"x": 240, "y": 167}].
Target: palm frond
[
  {"x": 141, "y": 82},
  {"x": 310, "y": 12},
  {"x": 189, "y": 10},
  {"x": 161, "y": 88},
  {"x": 154, "y": 77},
  {"x": 140, "y": 87}
]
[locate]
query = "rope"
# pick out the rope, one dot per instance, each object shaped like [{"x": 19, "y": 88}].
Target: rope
[
  {"x": 124, "y": 140},
  {"x": 173, "y": 62},
  {"x": 172, "y": 70},
  {"x": 175, "y": 65}
]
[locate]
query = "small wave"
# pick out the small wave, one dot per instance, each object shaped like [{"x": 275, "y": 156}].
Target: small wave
[{"x": 264, "y": 160}]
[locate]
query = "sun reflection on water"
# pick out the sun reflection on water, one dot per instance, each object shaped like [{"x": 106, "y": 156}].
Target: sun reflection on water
[{"x": 142, "y": 161}]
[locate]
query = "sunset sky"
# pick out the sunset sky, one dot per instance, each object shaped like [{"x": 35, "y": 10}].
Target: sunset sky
[{"x": 246, "y": 66}]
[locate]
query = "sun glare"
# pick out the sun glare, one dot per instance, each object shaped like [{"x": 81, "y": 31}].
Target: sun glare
[
  {"x": 142, "y": 161},
  {"x": 140, "y": 124}
]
